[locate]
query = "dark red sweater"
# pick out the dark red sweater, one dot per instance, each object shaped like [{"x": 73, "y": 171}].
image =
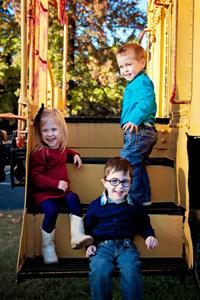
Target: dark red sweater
[{"x": 47, "y": 168}]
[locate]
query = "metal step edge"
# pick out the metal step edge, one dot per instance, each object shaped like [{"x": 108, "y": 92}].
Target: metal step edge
[
  {"x": 79, "y": 267},
  {"x": 163, "y": 208}
]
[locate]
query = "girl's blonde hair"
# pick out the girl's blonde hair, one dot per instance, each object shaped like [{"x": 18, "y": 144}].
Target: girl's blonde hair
[{"x": 57, "y": 116}]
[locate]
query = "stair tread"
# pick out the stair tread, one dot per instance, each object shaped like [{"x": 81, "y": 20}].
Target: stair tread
[
  {"x": 35, "y": 268},
  {"x": 110, "y": 119},
  {"x": 164, "y": 208},
  {"x": 154, "y": 161}
]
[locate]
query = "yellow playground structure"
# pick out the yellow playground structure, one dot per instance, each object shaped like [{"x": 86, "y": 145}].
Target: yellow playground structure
[{"x": 173, "y": 42}]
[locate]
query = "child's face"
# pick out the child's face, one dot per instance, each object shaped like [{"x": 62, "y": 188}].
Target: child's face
[
  {"x": 129, "y": 66},
  {"x": 117, "y": 184},
  {"x": 51, "y": 134}
]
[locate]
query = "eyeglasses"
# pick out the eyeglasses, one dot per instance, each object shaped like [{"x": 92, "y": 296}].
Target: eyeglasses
[{"x": 115, "y": 182}]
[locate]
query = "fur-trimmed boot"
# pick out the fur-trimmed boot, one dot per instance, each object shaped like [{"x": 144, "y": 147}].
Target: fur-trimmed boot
[
  {"x": 78, "y": 237},
  {"x": 48, "y": 247}
]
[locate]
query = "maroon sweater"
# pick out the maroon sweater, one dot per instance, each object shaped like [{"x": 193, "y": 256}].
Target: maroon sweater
[{"x": 47, "y": 168}]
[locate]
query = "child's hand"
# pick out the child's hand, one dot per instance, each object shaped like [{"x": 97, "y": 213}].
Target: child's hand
[
  {"x": 77, "y": 160},
  {"x": 91, "y": 250},
  {"x": 131, "y": 126},
  {"x": 63, "y": 185},
  {"x": 151, "y": 242}
]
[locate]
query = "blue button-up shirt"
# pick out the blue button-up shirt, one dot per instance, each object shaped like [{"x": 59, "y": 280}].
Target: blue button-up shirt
[{"x": 139, "y": 105}]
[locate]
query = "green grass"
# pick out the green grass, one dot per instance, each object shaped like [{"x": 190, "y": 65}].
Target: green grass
[{"x": 159, "y": 288}]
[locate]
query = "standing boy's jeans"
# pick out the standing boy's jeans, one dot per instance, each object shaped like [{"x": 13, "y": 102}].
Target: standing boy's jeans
[
  {"x": 122, "y": 254},
  {"x": 137, "y": 148}
]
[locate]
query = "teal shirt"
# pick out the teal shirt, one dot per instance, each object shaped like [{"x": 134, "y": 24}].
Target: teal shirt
[{"x": 139, "y": 105}]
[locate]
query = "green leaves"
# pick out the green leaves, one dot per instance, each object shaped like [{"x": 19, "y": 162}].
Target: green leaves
[{"x": 96, "y": 28}]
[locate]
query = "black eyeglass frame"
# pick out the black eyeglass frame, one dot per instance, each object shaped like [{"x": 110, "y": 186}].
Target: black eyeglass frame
[{"x": 115, "y": 182}]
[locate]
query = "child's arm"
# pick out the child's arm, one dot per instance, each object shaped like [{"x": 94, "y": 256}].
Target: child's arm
[
  {"x": 91, "y": 250},
  {"x": 63, "y": 185},
  {"x": 71, "y": 154},
  {"x": 151, "y": 242},
  {"x": 77, "y": 160}
]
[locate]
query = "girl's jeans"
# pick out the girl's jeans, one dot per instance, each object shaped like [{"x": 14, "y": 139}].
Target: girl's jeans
[
  {"x": 50, "y": 208},
  {"x": 122, "y": 254},
  {"x": 137, "y": 148}
]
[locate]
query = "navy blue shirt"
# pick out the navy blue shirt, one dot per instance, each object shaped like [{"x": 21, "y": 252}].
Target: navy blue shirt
[{"x": 108, "y": 221}]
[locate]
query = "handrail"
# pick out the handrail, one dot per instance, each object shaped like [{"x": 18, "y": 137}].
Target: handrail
[
  {"x": 143, "y": 33},
  {"x": 12, "y": 116}
]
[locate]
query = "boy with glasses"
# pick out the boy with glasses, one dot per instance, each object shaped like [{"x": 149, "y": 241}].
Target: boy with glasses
[{"x": 113, "y": 219}]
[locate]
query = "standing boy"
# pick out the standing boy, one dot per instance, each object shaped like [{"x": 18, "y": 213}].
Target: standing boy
[
  {"x": 113, "y": 219},
  {"x": 137, "y": 118}
]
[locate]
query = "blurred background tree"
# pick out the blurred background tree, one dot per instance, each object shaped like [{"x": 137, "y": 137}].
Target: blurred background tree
[
  {"x": 9, "y": 58},
  {"x": 96, "y": 28}
]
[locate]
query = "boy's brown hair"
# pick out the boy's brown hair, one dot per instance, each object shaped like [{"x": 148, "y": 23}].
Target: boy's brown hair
[
  {"x": 118, "y": 164},
  {"x": 139, "y": 51}
]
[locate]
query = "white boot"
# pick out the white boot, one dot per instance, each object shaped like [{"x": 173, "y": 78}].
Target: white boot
[
  {"x": 78, "y": 237},
  {"x": 48, "y": 247}
]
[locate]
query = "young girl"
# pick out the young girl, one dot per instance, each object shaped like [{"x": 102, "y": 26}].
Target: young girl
[{"x": 50, "y": 182}]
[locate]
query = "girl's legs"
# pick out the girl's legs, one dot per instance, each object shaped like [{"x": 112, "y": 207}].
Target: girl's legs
[
  {"x": 50, "y": 209},
  {"x": 73, "y": 204},
  {"x": 78, "y": 237}
]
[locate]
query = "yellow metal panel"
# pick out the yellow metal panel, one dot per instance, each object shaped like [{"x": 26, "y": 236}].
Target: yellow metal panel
[
  {"x": 23, "y": 242},
  {"x": 164, "y": 189},
  {"x": 170, "y": 240},
  {"x": 86, "y": 182},
  {"x": 91, "y": 138},
  {"x": 43, "y": 51},
  {"x": 184, "y": 50},
  {"x": 95, "y": 135},
  {"x": 169, "y": 231},
  {"x": 195, "y": 105},
  {"x": 182, "y": 186}
]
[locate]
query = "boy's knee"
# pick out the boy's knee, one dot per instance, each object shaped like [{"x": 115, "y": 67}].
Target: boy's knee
[{"x": 101, "y": 266}]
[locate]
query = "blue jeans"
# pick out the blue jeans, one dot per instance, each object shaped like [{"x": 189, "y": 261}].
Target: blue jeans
[
  {"x": 137, "y": 148},
  {"x": 110, "y": 254},
  {"x": 50, "y": 208}
]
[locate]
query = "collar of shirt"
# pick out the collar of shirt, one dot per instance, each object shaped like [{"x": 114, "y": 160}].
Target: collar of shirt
[
  {"x": 105, "y": 199},
  {"x": 137, "y": 75}
]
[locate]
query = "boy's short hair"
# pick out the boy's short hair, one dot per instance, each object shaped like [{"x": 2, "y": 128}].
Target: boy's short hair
[
  {"x": 136, "y": 48},
  {"x": 118, "y": 164}
]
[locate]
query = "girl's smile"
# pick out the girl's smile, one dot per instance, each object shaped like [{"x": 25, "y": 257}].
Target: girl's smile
[{"x": 51, "y": 134}]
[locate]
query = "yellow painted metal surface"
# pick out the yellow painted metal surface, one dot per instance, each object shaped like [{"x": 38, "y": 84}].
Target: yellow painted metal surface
[
  {"x": 174, "y": 26},
  {"x": 89, "y": 176},
  {"x": 170, "y": 240},
  {"x": 173, "y": 64},
  {"x": 194, "y": 123}
]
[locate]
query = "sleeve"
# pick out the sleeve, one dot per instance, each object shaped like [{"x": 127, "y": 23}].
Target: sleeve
[
  {"x": 37, "y": 177},
  {"x": 90, "y": 220},
  {"x": 145, "y": 227},
  {"x": 70, "y": 154}
]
